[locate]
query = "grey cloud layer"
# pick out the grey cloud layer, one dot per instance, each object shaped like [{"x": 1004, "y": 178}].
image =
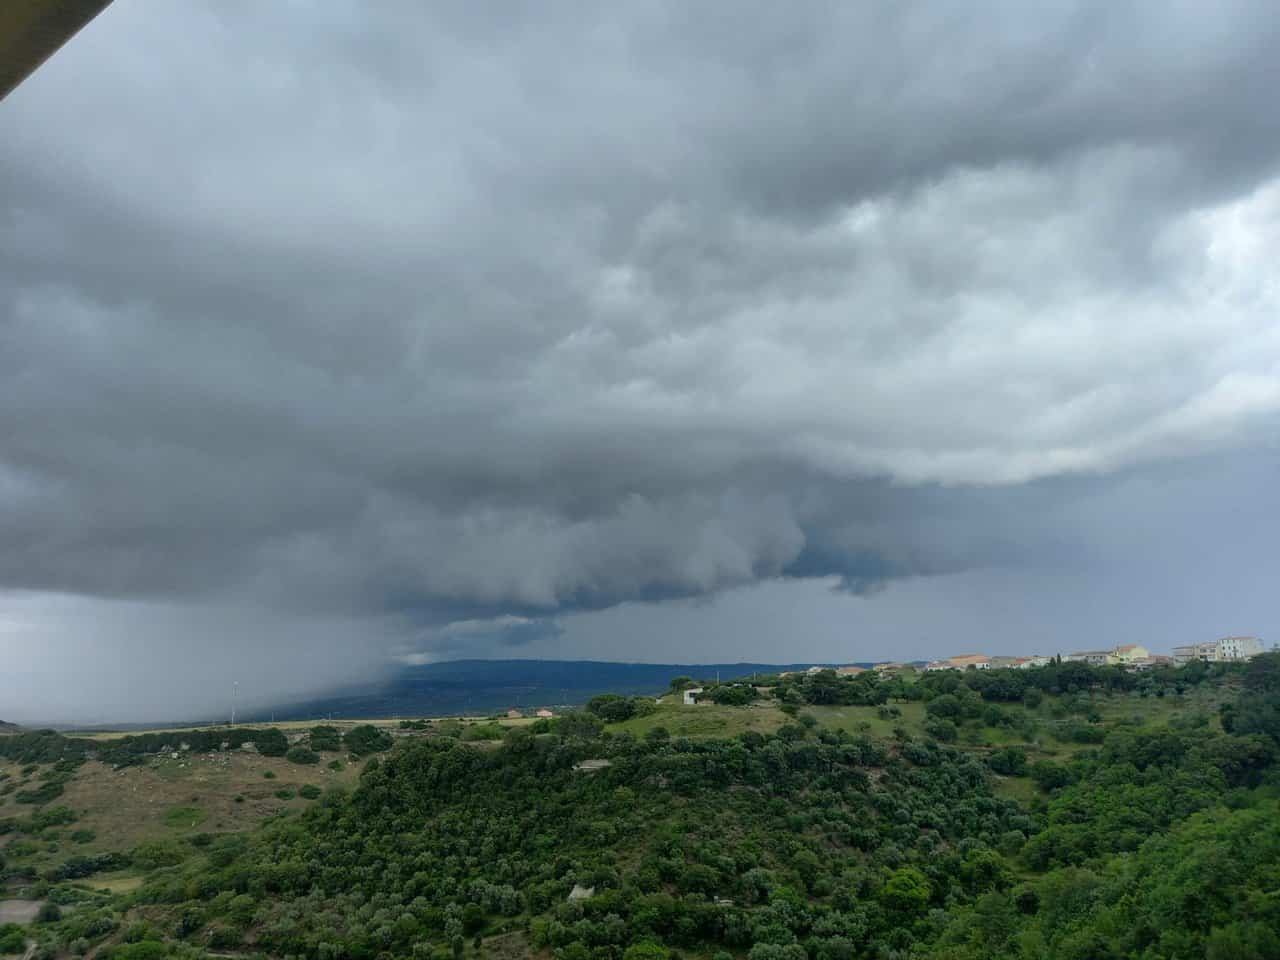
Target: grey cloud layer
[{"x": 446, "y": 314}]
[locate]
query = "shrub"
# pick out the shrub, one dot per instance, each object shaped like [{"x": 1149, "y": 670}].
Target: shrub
[
  {"x": 1011, "y": 761},
  {"x": 329, "y": 739},
  {"x": 646, "y": 951},
  {"x": 49, "y": 913},
  {"x": 940, "y": 729},
  {"x": 1050, "y": 776},
  {"x": 733, "y": 694},
  {"x": 271, "y": 742},
  {"x": 309, "y": 791},
  {"x": 906, "y": 892},
  {"x": 42, "y": 794},
  {"x": 149, "y": 856},
  {"x": 142, "y": 950},
  {"x": 658, "y": 734},
  {"x": 366, "y": 739},
  {"x": 301, "y": 754},
  {"x": 484, "y": 731},
  {"x": 12, "y": 938},
  {"x": 284, "y": 794}
]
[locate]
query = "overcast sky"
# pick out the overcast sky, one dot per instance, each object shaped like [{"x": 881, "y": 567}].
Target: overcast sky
[{"x": 334, "y": 335}]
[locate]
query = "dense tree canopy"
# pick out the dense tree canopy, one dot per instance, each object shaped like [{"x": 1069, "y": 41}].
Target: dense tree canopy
[{"x": 815, "y": 843}]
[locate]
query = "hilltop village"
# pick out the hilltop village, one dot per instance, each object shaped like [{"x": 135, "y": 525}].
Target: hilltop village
[{"x": 1130, "y": 656}]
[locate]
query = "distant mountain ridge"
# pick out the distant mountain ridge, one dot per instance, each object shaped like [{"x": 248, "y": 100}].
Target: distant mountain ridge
[{"x": 488, "y": 686}]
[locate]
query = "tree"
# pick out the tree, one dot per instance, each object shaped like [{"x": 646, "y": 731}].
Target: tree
[
  {"x": 733, "y": 694},
  {"x": 611, "y": 708},
  {"x": 905, "y": 893},
  {"x": 301, "y": 754},
  {"x": 646, "y": 950},
  {"x": 327, "y": 738},
  {"x": 271, "y": 742},
  {"x": 365, "y": 739}
]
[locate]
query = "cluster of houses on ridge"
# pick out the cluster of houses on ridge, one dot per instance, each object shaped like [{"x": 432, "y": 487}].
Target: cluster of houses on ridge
[
  {"x": 1131, "y": 656},
  {"x": 1127, "y": 655}
]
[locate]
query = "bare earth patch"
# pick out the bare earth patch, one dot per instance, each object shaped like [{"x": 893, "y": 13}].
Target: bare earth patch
[{"x": 19, "y": 911}]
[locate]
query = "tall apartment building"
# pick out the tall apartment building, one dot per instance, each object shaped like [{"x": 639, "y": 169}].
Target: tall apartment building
[
  {"x": 1239, "y": 648},
  {"x": 1228, "y": 648}
]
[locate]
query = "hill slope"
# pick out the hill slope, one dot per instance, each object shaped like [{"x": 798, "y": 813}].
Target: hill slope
[{"x": 1145, "y": 822}]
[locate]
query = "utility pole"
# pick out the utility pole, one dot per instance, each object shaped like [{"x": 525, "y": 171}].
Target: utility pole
[{"x": 235, "y": 692}]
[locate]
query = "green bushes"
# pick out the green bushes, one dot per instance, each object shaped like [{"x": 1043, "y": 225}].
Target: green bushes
[
  {"x": 77, "y": 867},
  {"x": 941, "y": 729},
  {"x": 812, "y": 842},
  {"x": 150, "y": 856},
  {"x": 733, "y": 694},
  {"x": 483, "y": 731},
  {"x": 270, "y": 742},
  {"x": 612, "y": 708},
  {"x": 302, "y": 755},
  {"x": 142, "y": 950},
  {"x": 1051, "y": 776},
  {"x": 49, "y": 790},
  {"x": 366, "y": 739},
  {"x": 327, "y": 739},
  {"x": 1010, "y": 761},
  {"x": 13, "y": 939},
  {"x": 49, "y": 912}
]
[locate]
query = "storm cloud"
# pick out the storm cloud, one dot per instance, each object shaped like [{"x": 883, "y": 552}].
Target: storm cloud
[{"x": 436, "y": 328}]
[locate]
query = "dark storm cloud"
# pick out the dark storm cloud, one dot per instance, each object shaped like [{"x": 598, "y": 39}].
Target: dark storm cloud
[{"x": 462, "y": 313}]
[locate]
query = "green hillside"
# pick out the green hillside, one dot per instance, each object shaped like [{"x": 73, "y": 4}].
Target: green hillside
[{"x": 1066, "y": 812}]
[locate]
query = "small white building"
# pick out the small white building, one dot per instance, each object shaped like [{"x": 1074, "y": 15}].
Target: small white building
[{"x": 690, "y": 696}]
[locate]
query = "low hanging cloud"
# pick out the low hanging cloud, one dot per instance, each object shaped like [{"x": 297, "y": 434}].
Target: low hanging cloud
[{"x": 399, "y": 316}]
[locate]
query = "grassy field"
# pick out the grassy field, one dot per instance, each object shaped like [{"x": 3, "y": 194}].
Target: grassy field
[
  {"x": 867, "y": 720},
  {"x": 705, "y": 720},
  {"x": 177, "y": 794},
  {"x": 168, "y": 798},
  {"x": 1040, "y": 730}
]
